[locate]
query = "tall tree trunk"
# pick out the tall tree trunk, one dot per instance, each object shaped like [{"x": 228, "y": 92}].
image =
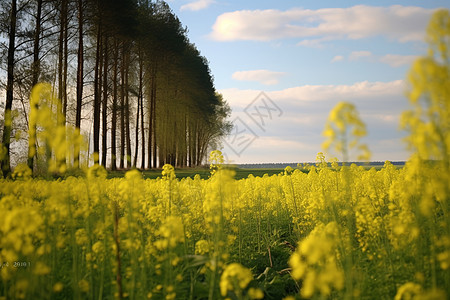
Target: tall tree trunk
[
  {"x": 138, "y": 113},
  {"x": 105, "y": 101},
  {"x": 80, "y": 83},
  {"x": 127, "y": 110},
  {"x": 190, "y": 145},
  {"x": 61, "y": 55},
  {"x": 66, "y": 56},
  {"x": 141, "y": 95},
  {"x": 136, "y": 132},
  {"x": 150, "y": 121},
  {"x": 122, "y": 109},
  {"x": 114, "y": 107},
  {"x": 6, "y": 139},
  {"x": 36, "y": 71},
  {"x": 97, "y": 96},
  {"x": 153, "y": 116}
]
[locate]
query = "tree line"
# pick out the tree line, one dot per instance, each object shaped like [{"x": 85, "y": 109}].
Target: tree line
[{"x": 126, "y": 75}]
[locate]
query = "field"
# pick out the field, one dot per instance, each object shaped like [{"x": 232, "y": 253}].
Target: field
[
  {"x": 204, "y": 173},
  {"x": 341, "y": 232},
  {"x": 240, "y": 172}
]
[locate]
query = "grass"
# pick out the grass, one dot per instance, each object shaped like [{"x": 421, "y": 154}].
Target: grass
[{"x": 203, "y": 172}]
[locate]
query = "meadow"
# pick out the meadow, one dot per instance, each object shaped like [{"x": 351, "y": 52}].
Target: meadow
[
  {"x": 322, "y": 231},
  {"x": 341, "y": 232},
  {"x": 204, "y": 173}
]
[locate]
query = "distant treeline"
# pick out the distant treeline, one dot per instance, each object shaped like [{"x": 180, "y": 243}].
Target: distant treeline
[
  {"x": 294, "y": 165},
  {"x": 125, "y": 72}
]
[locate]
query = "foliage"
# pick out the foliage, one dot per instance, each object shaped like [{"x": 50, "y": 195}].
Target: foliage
[{"x": 182, "y": 238}]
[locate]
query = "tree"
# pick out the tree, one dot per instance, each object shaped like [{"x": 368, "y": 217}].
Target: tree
[
  {"x": 114, "y": 105},
  {"x": 97, "y": 94},
  {"x": 80, "y": 73},
  {"x": 142, "y": 71},
  {"x": 7, "y": 123},
  {"x": 62, "y": 56},
  {"x": 105, "y": 100},
  {"x": 35, "y": 69}
]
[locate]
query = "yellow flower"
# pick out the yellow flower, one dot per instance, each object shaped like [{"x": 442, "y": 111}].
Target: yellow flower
[
  {"x": 344, "y": 129},
  {"x": 201, "y": 247},
  {"x": 168, "y": 172},
  {"x": 314, "y": 261},
  {"x": 235, "y": 276},
  {"x": 58, "y": 287},
  {"x": 255, "y": 293},
  {"x": 83, "y": 285},
  {"x": 81, "y": 237},
  {"x": 408, "y": 291},
  {"x": 41, "y": 269}
]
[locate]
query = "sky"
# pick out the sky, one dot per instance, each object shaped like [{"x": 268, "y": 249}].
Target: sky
[{"x": 283, "y": 65}]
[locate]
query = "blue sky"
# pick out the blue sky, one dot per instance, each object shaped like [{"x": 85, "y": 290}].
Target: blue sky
[{"x": 306, "y": 56}]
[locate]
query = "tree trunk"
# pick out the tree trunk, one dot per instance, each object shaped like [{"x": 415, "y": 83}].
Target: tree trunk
[
  {"x": 141, "y": 95},
  {"x": 97, "y": 96},
  {"x": 114, "y": 108},
  {"x": 139, "y": 114},
  {"x": 66, "y": 54},
  {"x": 153, "y": 115},
  {"x": 105, "y": 101},
  {"x": 80, "y": 83},
  {"x": 127, "y": 110},
  {"x": 150, "y": 121},
  {"x": 6, "y": 141},
  {"x": 62, "y": 59},
  {"x": 136, "y": 132},
  {"x": 190, "y": 145},
  {"x": 36, "y": 71},
  {"x": 122, "y": 109}
]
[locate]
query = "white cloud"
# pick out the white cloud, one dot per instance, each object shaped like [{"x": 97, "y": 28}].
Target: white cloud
[
  {"x": 401, "y": 23},
  {"x": 337, "y": 58},
  {"x": 356, "y": 55},
  {"x": 358, "y": 91},
  {"x": 265, "y": 77},
  {"x": 398, "y": 60},
  {"x": 197, "y": 5},
  {"x": 394, "y": 60},
  {"x": 296, "y": 134},
  {"x": 314, "y": 43}
]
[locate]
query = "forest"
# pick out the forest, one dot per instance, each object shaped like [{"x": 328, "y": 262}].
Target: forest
[{"x": 121, "y": 73}]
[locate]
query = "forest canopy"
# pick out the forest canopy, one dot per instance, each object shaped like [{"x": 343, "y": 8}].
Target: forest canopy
[{"x": 122, "y": 72}]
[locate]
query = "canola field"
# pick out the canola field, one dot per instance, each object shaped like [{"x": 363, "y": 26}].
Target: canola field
[
  {"x": 327, "y": 232},
  {"x": 342, "y": 232}
]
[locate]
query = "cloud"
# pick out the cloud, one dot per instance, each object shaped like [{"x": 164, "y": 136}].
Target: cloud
[
  {"x": 197, "y": 5},
  {"x": 265, "y": 77},
  {"x": 356, "y": 55},
  {"x": 296, "y": 134},
  {"x": 401, "y": 23},
  {"x": 395, "y": 60},
  {"x": 337, "y": 58},
  {"x": 314, "y": 43},
  {"x": 320, "y": 96}
]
